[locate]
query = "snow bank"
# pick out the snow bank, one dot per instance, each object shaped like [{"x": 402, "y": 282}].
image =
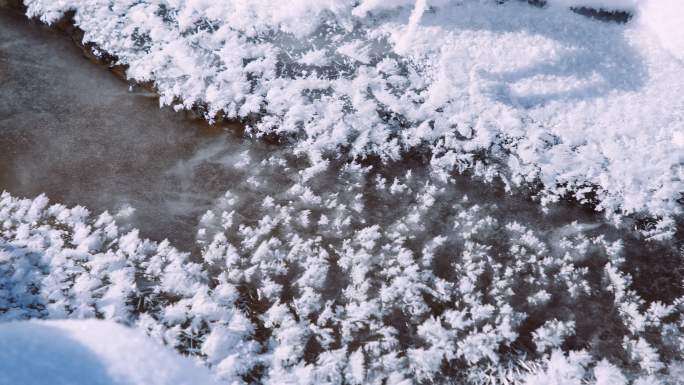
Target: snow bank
[
  {"x": 589, "y": 108},
  {"x": 89, "y": 353}
]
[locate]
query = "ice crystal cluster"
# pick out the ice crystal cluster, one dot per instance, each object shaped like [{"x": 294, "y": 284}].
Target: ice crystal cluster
[
  {"x": 589, "y": 108},
  {"x": 388, "y": 278}
]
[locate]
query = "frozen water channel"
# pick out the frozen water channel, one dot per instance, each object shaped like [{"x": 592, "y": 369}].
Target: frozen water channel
[{"x": 71, "y": 130}]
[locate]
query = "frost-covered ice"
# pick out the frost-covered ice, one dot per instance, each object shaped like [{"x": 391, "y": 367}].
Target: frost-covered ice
[
  {"x": 665, "y": 18},
  {"x": 391, "y": 278},
  {"x": 605, "y": 5},
  {"x": 333, "y": 271},
  {"x": 582, "y": 105},
  {"x": 89, "y": 353}
]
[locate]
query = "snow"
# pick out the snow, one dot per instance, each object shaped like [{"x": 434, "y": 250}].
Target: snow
[
  {"x": 89, "y": 353},
  {"x": 588, "y": 108},
  {"x": 665, "y": 18}
]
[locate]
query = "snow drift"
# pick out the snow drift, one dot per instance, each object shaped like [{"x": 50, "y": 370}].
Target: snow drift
[{"x": 89, "y": 353}]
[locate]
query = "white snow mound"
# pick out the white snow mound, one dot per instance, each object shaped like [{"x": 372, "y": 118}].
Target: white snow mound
[{"x": 89, "y": 353}]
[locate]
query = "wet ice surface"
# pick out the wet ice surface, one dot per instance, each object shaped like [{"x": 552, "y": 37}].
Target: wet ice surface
[{"x": 71, "y": 130}]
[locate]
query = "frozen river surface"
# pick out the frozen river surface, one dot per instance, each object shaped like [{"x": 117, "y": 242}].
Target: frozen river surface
[
  {"x": 72, "y": 130},
  {"x": 384, "y": 270}
]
